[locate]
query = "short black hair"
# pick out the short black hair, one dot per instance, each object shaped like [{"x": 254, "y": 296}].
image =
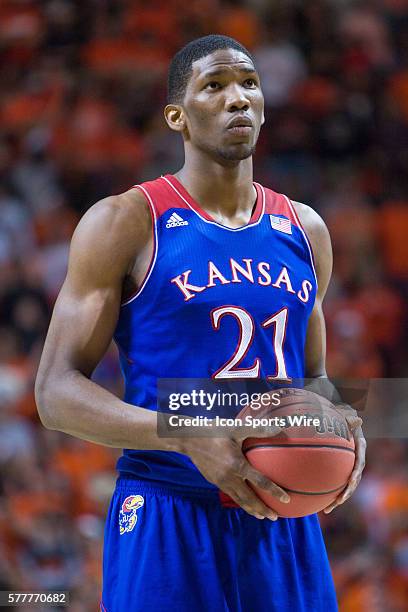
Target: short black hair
[{"x": 181, "y": 65}]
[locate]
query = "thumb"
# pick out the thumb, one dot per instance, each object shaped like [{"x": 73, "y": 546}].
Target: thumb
[{"x": 265, "y": 431}]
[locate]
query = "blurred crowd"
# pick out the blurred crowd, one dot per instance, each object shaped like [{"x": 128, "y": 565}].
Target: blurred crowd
[{"x": 82, "y": 89}]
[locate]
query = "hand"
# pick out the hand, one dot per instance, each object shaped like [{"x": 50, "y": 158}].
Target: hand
[
  {"x": 354, "y": 423},
  {"x": 222, "y": 462}
]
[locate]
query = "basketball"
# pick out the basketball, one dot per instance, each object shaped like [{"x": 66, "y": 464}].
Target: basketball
[{"x": 311, "y": 461}]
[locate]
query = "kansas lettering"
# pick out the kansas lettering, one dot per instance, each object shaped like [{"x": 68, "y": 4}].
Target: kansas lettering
[{"x": 244, "y": 272}]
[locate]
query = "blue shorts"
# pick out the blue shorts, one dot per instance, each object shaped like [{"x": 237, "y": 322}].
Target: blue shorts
[{"x": 168, "y": 547}]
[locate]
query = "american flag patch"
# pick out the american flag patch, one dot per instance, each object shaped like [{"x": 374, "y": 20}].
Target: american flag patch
[{"x": 282, "y": 224}]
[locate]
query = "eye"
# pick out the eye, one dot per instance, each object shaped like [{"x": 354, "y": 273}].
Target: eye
[
  {"x": 213, "y": 85},
  {"x": 250, "y": 83}
]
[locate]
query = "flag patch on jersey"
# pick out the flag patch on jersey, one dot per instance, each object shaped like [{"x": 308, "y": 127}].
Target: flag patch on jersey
[
  {"x": 281, "y": 224},
  {"x": 175, "y": 221}
]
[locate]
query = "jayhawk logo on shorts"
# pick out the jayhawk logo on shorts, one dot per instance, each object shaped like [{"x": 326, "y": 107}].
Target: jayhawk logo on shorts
[{"x": 127, "y": 513}]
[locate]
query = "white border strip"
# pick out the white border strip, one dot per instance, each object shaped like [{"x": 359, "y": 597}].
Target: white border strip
[
  {"x": 231, "y": 229},
  {"x": 153, "y": 260},
  {"x": 309, "y": 246}
]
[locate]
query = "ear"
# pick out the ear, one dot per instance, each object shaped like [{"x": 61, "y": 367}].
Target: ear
[{"x": 175, "y": 117}]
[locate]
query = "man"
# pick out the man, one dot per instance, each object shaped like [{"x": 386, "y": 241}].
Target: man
[{"x": 200, "y": 274}]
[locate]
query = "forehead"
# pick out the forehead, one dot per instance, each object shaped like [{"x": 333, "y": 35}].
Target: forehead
[{"x": 221, "y": 60}]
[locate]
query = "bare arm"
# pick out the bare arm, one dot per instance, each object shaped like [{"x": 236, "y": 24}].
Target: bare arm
[
  {"x": 315, "y": 349},
  {"x": 104, "y": 248},
  {"x": 318, "y": 234}
]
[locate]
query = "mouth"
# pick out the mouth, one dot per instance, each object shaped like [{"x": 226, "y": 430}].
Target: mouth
[
  {"x": 240, "y": 130},
  {"x": 240, "y": 122},
  {"x": 240, "y": 126}
]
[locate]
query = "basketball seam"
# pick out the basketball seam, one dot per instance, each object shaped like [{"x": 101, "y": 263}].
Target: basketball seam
[
  {"x": 313, "y": 492},
  {"x": 350, "y": 450}
]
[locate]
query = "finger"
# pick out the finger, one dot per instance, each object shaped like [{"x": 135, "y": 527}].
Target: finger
[
  {"x": 358, "y": 468},
  {"x": 354, "y": 422},
  {"x": 243, "y": 495},
  {"x": 361, "y": 445},
  {"x": 330, "y": 508},
  {"x": 348, "y": 492},
  {"x": 355, "y": 475},
  {"x": 360, "y": 458},
  {"x": 337, "y": 502},
  {"x": 259, "y": 480},
  {"x": 345, "y": 495},
  {"x": 352, "y": 484},
  {"x": 240, "y": 502},
  {"x": 267, "y": 431},
  {"x": 351, "y": 416},
  {"x": 250, "y": 499},
  {"x": 360, "y": 452},
  {"x": 346, "y": 409}
]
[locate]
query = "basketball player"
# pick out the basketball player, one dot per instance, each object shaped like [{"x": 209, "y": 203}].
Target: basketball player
[{"x": 199, "y": 274}]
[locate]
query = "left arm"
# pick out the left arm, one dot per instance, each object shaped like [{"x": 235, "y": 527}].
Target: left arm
[{"x": 315, "y": 349}]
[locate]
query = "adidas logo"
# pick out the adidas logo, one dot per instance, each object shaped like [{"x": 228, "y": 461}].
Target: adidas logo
[{"x": 175, "y": 221}]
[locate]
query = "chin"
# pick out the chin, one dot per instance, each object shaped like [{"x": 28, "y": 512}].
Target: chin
[{"x": 236, "y": 153}]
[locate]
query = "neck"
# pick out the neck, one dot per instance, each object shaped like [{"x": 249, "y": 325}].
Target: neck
[{"x": 224, "y": 191}]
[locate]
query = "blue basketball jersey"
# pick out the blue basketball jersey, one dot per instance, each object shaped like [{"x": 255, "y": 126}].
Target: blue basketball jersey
[{"x": 216, "y": 302}]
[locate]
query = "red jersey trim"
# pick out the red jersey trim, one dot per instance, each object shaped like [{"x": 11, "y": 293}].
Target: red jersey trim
[
  {"x": 186, "y": 198},
  {"x": 280, "y": 204},
  {"x": 164, "y": 197},
  {"x": 277, "y": 204},
  {"x": 155, "y": 246}
]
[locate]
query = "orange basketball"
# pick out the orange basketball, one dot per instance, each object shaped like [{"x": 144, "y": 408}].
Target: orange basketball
[{"x": 311, "y": 462}]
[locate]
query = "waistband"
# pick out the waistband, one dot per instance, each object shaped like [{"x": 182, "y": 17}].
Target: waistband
[{"x": 127, "y": 484}]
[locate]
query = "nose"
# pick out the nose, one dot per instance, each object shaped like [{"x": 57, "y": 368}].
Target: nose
[{"x": 236, "y": 99}]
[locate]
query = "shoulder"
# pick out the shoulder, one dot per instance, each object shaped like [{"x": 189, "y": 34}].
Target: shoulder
[
  {"x": 114, "y": 230},
  {"x": 122, "y": 212},
  {"x": 312, "y": 222},
  {"x": 319, "y": 238}
]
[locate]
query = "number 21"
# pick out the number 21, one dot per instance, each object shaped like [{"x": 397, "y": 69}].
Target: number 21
[{"x": 246, "y": 334}]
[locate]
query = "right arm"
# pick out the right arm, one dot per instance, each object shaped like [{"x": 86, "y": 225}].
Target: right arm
[
  {"x": 108, "y": 246},
  {"x": 102, "y": 255}
]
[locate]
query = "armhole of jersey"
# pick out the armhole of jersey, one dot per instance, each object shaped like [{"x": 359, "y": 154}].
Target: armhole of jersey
[
  {"x": 306, "y": 239},
  {"x": 155, "y": 246}
]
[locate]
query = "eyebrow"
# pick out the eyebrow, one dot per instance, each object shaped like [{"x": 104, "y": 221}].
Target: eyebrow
[{"x": 219, "y": 71}]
